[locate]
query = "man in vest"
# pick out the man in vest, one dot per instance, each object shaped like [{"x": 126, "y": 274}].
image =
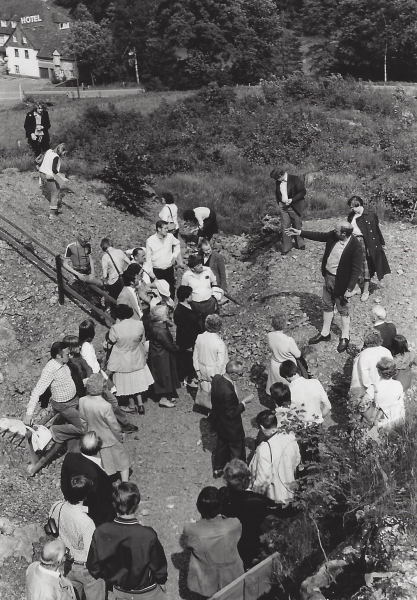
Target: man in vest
[{"x": 48, "y": 170}]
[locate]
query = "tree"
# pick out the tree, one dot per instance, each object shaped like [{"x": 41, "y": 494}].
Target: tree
[
  {"x": 370, "y": 39},
  {"x": 91, "y": 44},
  {"x": 194, "y": 42}
]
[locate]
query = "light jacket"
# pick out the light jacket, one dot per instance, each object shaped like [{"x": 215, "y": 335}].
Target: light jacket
[
  {"x": 128, "y": 353},
  {"x": 273, "y": 467},
  {"x": 210, "y": 355},
  {"x": 44, "y": 585}
]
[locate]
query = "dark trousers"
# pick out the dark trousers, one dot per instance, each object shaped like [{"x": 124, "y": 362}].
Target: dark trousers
[
  {"x": 73, "y": 427},
  {"x": 226, "y": 450},
  {"x": 289, "y": 218},
  {"x": 185, "y": 366},
  {"x": 115, "y": 288},
  {"x": 169, "y": 276}
]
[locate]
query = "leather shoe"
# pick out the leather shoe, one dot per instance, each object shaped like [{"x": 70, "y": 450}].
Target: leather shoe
[
  {"x": 217, "y": 473},
  {"x": 319, "y": 338},
  {"x": 141, "y": 409},
  {"x": 302, "y": 248},
  {"x": 343, "y": 344},
  {"x": 285, "y": 253},
  {"x": 130, "y": 428},
  {"x": 165, "y": 403}
]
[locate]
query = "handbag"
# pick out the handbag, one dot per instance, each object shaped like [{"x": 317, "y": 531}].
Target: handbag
[
  {"x": 51, "y": 527},
  {"x": 171, "y": 224},
  {"x": 115, "y": 266},
  {"x": 203, "y": 396}
]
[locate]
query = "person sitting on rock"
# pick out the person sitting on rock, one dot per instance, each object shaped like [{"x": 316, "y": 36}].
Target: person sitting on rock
[{"x": 78, "y": 259}]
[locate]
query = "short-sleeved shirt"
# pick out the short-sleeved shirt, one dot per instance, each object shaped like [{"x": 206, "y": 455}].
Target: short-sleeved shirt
[
  {"x": 200, "y": 283},
  {"x": 80, "y": 256}
]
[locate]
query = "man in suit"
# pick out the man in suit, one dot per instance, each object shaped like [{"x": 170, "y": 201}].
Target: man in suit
[
  {"x": 88, "y": 463},
  {"x": 341, "y": 267},
  {"x": 290, "y": 193},
  {"x": 215, "y": 261},
  {"x": 226, "y": 417}
]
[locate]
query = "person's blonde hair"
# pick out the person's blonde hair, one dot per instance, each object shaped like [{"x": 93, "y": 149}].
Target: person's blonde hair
[
  {"x": 158, "y": 312},
  {"x": 95, "y": 385}
]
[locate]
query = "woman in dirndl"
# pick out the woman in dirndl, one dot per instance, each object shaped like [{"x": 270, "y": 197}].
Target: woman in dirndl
[
  {"x": 282, "y": 347},
  {"x": 366, "y": 229},
  {"x": 127, "y": 362}
]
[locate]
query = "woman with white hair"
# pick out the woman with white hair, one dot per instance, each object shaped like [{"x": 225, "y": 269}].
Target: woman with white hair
[
  {"x": 100, "y": 418},
  {"x": 210, "y": 358},
  {"x": 48, "y": 172},
  {"x": 162, "y": 358},
  {"x": 385, "y": 402},
  {"x": 364, "y": 372},
  {"x": 282, "y": 347}
]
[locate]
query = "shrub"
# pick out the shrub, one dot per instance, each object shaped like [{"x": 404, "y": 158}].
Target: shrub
[{"x": 125, "y": 174}]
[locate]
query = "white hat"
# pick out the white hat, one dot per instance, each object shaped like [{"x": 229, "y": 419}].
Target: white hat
[
  {"x": 162, "y": 286},
  {"x": 217, "y": 292}
]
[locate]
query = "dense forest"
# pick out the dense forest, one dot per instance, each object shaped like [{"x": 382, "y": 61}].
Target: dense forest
[{"x": 190, "y": 43}]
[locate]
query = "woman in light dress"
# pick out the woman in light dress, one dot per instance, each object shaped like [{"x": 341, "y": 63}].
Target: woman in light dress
[
  {"x": 385, "y": 400},
  {"x": 282, "y": 347},
  {"x": 210, "y": 358},
  {"x": 364, "y": 372}
]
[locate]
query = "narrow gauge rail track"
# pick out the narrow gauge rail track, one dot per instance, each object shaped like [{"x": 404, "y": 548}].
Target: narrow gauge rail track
[{"x": 29, "y": 251}]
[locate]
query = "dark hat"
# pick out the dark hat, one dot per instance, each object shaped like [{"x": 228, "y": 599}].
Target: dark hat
[{"x": 194, "y": 260}]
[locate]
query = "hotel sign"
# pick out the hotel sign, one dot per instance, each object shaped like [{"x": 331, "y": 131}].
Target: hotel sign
[{"x": 32, "y": 19}]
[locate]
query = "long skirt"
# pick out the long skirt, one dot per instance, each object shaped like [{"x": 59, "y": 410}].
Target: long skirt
[
  {"x": 115, "y": 459},
  {"x": 210, "y": 227},
  {"x": 128, "y": 384}
]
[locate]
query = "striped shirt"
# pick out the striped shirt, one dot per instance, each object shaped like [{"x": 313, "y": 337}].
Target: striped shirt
[
  {"x": 58, "y": 378},
  {"x": 75, "y": 528}
]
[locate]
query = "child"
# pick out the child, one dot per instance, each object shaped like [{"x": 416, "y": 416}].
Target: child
[
  {"x": 387, "y": 330},
  {"x": 310, "y": 357}
]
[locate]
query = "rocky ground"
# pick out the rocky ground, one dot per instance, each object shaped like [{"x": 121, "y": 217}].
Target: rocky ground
[{"x": 172, "y": 450}]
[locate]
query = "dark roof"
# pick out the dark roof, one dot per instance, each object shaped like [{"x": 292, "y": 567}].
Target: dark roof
[
  {"x": 5, "y": 30},
  {"x": 13, "y": 10}
]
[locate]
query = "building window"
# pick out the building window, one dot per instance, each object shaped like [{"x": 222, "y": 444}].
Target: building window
[
  {"x": 16, "y": 52},
  {"x": 15, "y": 38},
  {"x": 3, "y": 23},
  {"x": 26, "y": 53},
  {"x": 24, "y": 40},
  {"x": 64, "y": 25},
  {"x": 13, "y": 23},
  {"x": 17, "y": 69}
]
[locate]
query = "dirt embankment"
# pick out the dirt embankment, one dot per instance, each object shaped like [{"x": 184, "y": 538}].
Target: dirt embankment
[{"x": 172, "y": 450}]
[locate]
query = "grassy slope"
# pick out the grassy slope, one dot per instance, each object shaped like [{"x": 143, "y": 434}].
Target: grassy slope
[{"x": 354, "y": 152}]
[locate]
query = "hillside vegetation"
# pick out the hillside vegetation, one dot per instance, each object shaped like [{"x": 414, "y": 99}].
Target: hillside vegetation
[{"x": 217, "y": 146}]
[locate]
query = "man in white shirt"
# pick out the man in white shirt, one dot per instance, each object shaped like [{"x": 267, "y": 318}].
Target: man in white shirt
[
  {"x": 308, "y": 396},
  {"x": 201, "y": 280},
  {"x": 163, "y": 250},
  {"x": 113, "y": 262},
  {"x": 341, "y": 266}
]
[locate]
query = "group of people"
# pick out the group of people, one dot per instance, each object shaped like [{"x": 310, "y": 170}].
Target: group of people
[{"x": 96, "y": 521}]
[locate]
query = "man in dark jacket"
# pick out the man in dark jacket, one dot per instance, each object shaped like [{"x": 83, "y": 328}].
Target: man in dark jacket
[
  {"x": 126, "y": 554},
  {"x": 290, "y": 193},
  {"x": 99, "y": 500},
  {"x": 341, "y": 267},
  {"x": 227, "y": 417},
  {"x": 37, "y": 127}
]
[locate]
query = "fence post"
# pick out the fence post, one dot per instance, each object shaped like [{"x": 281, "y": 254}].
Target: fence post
[{"x": 59, "y": 279}]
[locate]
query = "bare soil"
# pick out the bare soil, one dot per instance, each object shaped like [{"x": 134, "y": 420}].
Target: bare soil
[{"x": 172, "y": 451}]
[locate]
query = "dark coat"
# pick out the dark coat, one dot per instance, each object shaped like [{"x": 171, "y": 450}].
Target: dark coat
[
  {"x": 30, "y": 125},
  {"x": 216, "y": 264},
  {"x": 227, "y": 410},
  {"x": 161, "y": 359},
  {"x": 368, "y": 223},
  {"x": 188, "y": 326},
  {"x": 350, "y": 264},
  {"x": 296, "y": 190},
  {"x": 99, "y": 501}
]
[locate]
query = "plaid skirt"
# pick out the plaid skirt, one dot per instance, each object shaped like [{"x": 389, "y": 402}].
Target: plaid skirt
[{"x": 365, "y": 274}]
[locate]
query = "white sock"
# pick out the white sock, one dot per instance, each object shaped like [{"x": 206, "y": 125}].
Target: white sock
[
  {"x": 327, "y": 322},
  {"x": 345, "y": 327}
]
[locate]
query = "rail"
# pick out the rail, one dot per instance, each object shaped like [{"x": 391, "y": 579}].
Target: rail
[{"x": 56, "y": 274}]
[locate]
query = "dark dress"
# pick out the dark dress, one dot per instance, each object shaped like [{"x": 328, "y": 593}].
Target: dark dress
[
  {"x": 40, "y": 144},
  {"x": 162, "y": 361},
  {"x": 188, "y": 328}
]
